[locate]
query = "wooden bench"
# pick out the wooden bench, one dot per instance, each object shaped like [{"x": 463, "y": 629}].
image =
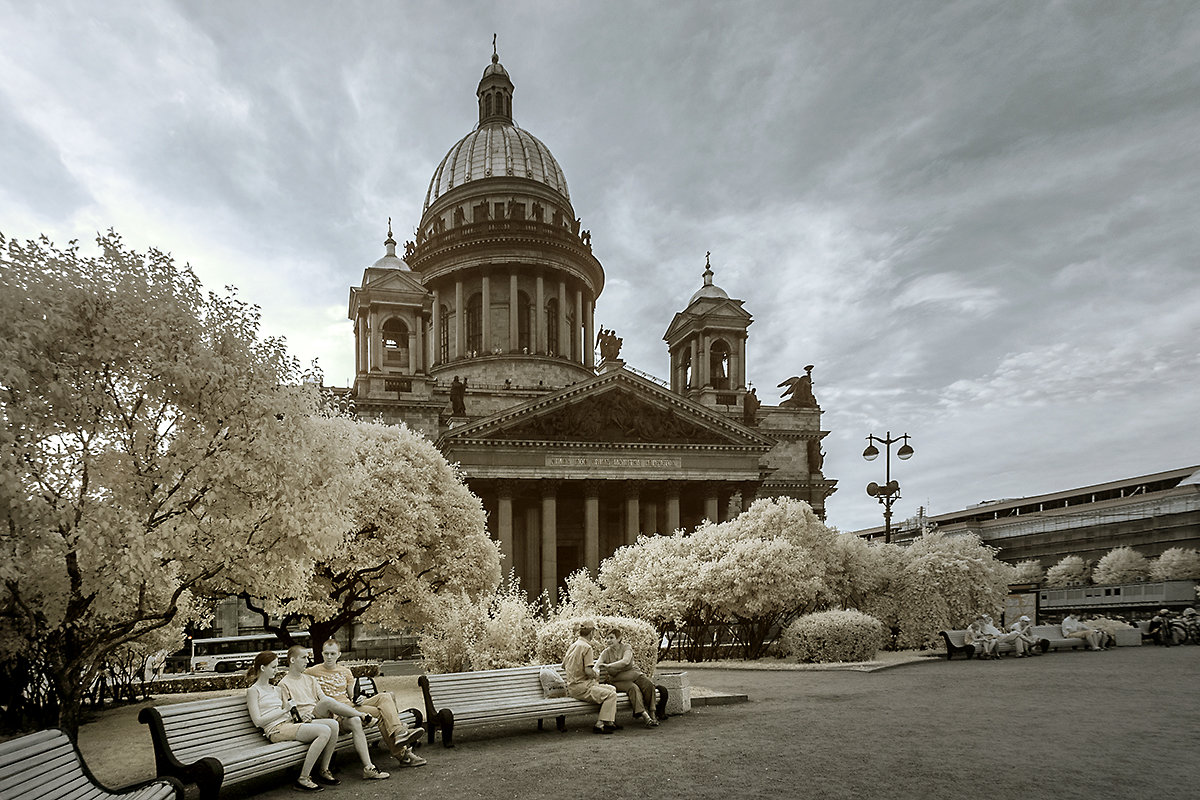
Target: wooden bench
[
  {"x": 465, "y": 699},
  {"x": 48, "y": 766},
  {"x": 214, "y": 742}
]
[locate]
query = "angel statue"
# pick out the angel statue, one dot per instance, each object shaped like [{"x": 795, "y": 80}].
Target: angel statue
[{"x": 800, "y": 390}]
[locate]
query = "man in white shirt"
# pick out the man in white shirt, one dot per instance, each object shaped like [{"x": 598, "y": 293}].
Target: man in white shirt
[
  {"x": 583, "y": 680},
  {"x": 1074, "y": 629}
]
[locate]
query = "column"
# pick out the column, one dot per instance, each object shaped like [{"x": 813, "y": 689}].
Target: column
[
  {"x": 533, "y": 561},
  {"x": 705, "y": 371},
  {"x": 632, "y": 516},
  {"x": 649, "y": 517},
  {"x": 563, "y": 346},
  {"x": 712, "y": 503},
  {"x": 694, "y": 383},
  {"x": 374, "y": 341},
  {"x": 749, "y": 492},
  {"x": 735, "y": 368},
  {"x": 419, "y": 358},
  {"x": 514, "y": 312},
  {"x": 672, "y": 508},
  {"x": 485, "y": 346},
  {"x": 460, "y": 321},
  {"x": 591, "y": 526},
  {"x": 504, "y": 523},
  {"x": 576, "y": 350},
  {"x": 363, "y": 364},
  {"x": 589, "y": 333},
  {"x": 549, "y": 540},
  {"x": 539, "y": 318},
  {"x": 435, "y": 333}
]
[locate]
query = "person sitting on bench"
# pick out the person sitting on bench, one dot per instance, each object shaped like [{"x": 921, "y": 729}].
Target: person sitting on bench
[
  {"x": 281, "y": 722},
  {"x": 337, "y": 682},
  {"x": 305, "y": 693},
  {"x": 583, "y": 683},
  {"x": 616, "y": 668}
]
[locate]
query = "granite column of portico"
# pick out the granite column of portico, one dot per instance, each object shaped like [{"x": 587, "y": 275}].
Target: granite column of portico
[
  {"x": 549, "y": 571},
  {"x": 504, "y": 520},
  {"x": 591, "y": 526},
  {"x": 672, "y": 507},
  {"x": 632, "y": 514}
]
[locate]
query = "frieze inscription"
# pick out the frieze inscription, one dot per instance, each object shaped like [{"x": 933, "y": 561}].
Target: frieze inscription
[{"x": 621, "y": 462}]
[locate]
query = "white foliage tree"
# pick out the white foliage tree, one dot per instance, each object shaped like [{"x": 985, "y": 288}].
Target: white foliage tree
[
  {"x": 1121, "y": 565},
  {"x": 152, "y": 443},
  {"x": 1069, "y": 571},
  {"x": 1176, "y": 564}
]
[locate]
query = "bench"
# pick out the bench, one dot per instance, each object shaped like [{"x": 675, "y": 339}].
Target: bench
[
  {"x": 1049, "y": 638},
  {"x": 48, "y": 766},
  {"x": 214, "y": 742},
  {"x": 465, "y": 699}
]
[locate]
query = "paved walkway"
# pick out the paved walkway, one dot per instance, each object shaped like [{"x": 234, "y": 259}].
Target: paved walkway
[{"x": 1118, "y": 724}]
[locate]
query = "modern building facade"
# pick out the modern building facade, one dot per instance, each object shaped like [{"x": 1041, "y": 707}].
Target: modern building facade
[
  {"x": 483, "y": 337},
  {"x": 1149, "y": 513}
]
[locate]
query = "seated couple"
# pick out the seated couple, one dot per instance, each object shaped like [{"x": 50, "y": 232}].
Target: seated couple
[
  {"x": 983, "y": 631},
  {"x": 598, "y": 680},
  {"x": 314, "y": 706}
]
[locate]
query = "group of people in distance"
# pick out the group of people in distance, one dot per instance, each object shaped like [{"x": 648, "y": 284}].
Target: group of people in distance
[
  {"x": 599, "y": 679},
  {"x": 983, "y": 631},
  {"x": 314, "y": 705}
]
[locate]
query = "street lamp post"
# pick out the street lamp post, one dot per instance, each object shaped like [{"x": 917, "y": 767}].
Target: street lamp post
[{"x": 890, "y": 491}]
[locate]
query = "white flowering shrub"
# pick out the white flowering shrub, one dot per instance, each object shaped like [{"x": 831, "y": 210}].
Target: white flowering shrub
[
  {"x": 1176, "y": 564},
  {"x": 492, "y": 632},
  {"x": 1070, "y": 571},
  {"x": 1121, "y": 565},
  {"x": 1030, "y": 571},
  {"x": 553, "y": 639},
  {"x": 833, "y": 636}
]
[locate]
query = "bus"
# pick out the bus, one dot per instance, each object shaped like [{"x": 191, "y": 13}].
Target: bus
[{"x": 231, "y": 653}]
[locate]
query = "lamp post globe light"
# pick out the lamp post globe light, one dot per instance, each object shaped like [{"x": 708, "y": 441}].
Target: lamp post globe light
[{"x": 889, "y": 492}]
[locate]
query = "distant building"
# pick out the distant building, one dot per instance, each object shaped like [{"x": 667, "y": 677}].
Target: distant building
[
  {"x": 482, "y": 336},
  {"x": 1149, "y": 513}
]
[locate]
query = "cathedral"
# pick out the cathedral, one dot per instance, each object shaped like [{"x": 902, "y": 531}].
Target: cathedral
[{"x": 482, "y": 336}]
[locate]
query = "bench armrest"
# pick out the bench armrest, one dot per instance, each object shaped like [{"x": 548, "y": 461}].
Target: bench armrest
[{"x": 207, "y": 773}]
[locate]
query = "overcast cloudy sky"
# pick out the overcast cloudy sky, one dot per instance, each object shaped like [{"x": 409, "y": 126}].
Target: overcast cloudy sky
[{"x": 978, "y": 220}]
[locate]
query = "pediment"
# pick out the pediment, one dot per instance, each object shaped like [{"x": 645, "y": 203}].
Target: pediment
[
  {"x": 728, "y": 313},
  {"x": 393, "y": 280},
  {"x": 617, "y": 408}
]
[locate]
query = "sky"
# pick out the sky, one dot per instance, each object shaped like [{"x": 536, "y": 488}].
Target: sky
[{"x": 979, "y": 221}]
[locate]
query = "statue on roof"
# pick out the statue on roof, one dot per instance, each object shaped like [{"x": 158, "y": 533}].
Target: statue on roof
[
  {"x": 800, "y": 390},
  {"x": 458, "y": 397},
  {"x": 750, "y": 404},
  {"x": 609, "y": 344}
]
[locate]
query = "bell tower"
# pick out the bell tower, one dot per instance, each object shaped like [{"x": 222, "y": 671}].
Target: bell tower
[{"x": 707, "y": 345}]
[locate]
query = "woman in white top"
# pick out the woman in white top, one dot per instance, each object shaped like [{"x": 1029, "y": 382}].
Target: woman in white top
[{"x": 269, "y": 712}]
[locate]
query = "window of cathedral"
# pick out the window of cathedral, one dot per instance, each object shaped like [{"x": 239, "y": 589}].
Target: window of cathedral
[
  {"x": 479, "y": 213},
  {"x": 498, "y": 211},
  {"x": 718, "y": 369},
  {"x": 475, "y": 323},
  {"x": 487, "y": 105}
]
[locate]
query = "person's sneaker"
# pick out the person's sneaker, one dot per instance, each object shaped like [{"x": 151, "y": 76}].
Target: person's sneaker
[
  {"x": 603, "y": 729},
  {"x": 372, "y": 773},
  {"x": 411, "y": 759},
  {"x": 325, "y": 777},
  {"x": 409, "y": 738},
  {"x": 307, "y": 785}
]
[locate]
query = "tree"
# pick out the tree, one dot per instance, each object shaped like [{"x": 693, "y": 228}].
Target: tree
[
  {"x": 1121, "y": 565},
  {"x": 1029, "y": 571},
  {"x": 413, "y": 534},
  {"x": 1176, "y": 564},
  {"x": 1069, "y": 571},
  {"x": 152, "y": 442}
]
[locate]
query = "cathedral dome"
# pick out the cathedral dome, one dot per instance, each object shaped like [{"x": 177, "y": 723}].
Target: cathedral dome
[{"x": 496, "y": 150}]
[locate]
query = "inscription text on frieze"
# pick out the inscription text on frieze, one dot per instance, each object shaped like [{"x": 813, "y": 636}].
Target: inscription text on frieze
[{"x": 617, "y": 462}]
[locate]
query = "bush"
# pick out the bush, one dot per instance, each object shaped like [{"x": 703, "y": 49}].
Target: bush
[
  {"x": 555, "y": 637},
  {"x": 490, "y": 632},
  {"x": 833, "y": 636}
]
